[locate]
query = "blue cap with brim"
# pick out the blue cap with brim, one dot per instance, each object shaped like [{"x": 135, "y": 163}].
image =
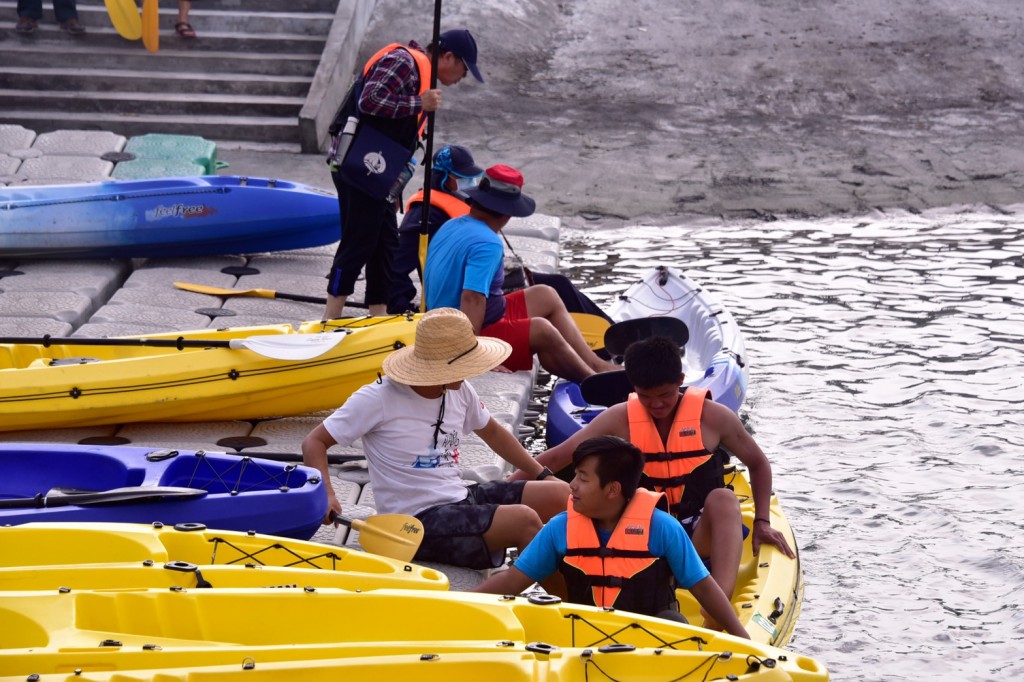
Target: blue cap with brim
[
  {"x": 460, "y": 42},
  {"x": 456, "y": 159}
]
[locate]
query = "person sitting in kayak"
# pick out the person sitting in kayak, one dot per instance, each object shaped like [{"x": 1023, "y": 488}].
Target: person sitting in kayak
[
  {"x": 412, "y": 422},
  {"x": 615, "y": 545},
  {"x": 454, "y": 171},
  {"x": 682, "y": 436},
  {"x": 465, "y": 270}
]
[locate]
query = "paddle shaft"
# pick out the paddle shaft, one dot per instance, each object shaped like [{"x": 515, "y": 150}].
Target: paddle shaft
[
  {"x": 82, "y": 499},
  {"x": 297, "y": 457},
  {"x": 428, "y": 155},
  {"x": 179, "y": 343}
]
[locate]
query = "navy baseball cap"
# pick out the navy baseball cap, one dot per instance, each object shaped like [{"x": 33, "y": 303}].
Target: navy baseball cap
[
  {"x": 454, "y": 158},
  {"x": 460, "y": 42}
]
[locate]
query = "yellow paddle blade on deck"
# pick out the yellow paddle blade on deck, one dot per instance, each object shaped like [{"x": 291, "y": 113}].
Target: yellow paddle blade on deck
[
  {"x": 124, "y": 15},
  {"x": 220, "y": 291},
  {"x": 392, "y": 535},
  {"x": 151, "y": 25},
  {"x": 258, "y": 293},
  {"x": 592, "y": 327}
]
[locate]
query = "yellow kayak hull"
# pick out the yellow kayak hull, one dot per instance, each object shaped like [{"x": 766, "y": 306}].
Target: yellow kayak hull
[
  {"x": 305, "y": 633},
  {"x": 770, "y": 586},
  {"x": 446, "y": 665},
  {"x": 121, "y": 384},
  {"x": 97, "y": 556}
]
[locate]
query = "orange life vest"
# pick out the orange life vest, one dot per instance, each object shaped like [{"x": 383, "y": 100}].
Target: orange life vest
[
  {"x": 452, "y": 206},
  {"x": 623, "y": 573},
  {"x": 422, "y": 66},
  {"x": 682, "y": 468}
]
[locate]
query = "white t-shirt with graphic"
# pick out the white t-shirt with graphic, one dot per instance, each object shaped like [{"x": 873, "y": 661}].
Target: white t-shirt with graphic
[{"x": 397, "y": 427}]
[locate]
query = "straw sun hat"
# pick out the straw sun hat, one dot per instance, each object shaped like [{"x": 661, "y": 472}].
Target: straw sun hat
[{"x": 446, "y": 351}]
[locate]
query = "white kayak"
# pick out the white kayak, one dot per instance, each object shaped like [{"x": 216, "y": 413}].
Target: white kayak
[{"x": 714, "y": 358}]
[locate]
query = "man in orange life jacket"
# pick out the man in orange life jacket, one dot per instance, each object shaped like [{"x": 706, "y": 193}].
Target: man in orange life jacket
[
  {"x": 614, "y": 546},
  {"x": 393, "y": 99},
  {"x": 453, "y": 170},
  {"x": 681, "y": 436}
]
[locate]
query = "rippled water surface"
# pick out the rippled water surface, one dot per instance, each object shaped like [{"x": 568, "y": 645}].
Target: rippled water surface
[{"x": 885, "y": 385}]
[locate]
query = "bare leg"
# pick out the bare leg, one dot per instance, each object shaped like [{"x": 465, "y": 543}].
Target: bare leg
[
  {"x": 555, "y": 353},
  {"x": 547, "y": 497},
  {"x": 183, "y": 9},
  {"x": 514, "y": 525},
  {"x": 335, "y": 304},
  {"x": 543, "y": 301},
  {"x": 719, "y": 534},
  {"x": 378, "y": 309}
]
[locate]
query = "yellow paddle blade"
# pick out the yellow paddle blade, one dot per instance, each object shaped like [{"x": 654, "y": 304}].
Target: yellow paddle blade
[
  {"x": 592, "y": 327},
  {"x": 219, "y": 291},
  {"x": 393, "y": 535},
  {"x": 125, "y": 17},
  {"x": 151, "y": 25}
]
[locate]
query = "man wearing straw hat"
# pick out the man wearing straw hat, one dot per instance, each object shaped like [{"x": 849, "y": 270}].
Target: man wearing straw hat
[
  {"x": 412, "y": 422},
  {"x": 465, "y": 270}
]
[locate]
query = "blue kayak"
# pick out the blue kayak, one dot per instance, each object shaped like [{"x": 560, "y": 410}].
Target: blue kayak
[
  {"x": 165, "y": 218},
  {"x": 714, "y": 357},
  {"x": 72, "y": 483}
]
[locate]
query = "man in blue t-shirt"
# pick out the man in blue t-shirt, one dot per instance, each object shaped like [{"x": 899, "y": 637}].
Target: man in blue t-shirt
[
  {"x": 613, "y": 547},
  {"x": 465, "y": 270}
]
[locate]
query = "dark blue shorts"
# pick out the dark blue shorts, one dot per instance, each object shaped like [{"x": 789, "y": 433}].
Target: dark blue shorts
[
  {"x": 454, "y": 533},
  {"x": 690, "y": 522}
]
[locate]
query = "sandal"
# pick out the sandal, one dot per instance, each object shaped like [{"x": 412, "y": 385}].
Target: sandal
[{"x": 185, "y": 30}]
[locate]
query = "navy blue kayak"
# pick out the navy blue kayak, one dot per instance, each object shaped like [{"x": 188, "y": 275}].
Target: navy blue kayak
[
  {"x": 714, "y": 356},
  {"x": 165, "y": 218},
  {"x": 73, "y": 483}
]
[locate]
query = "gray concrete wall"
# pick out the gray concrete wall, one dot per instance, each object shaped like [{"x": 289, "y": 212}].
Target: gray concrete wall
[{"x": 333, "y": 76}]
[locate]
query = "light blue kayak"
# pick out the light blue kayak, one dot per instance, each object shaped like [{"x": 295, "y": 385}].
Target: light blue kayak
[{"x": 165, "y": 217}]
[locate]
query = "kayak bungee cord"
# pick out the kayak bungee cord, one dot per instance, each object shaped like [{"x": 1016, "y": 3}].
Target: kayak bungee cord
[
  {"x": 629, "y": 626},
  {"x": 242, "y": 464},
  {"x": 588, "y": 660},
  {"x": 254, "y": 556}
]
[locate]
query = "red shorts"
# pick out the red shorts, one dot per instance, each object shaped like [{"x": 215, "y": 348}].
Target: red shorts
[{"x": 514, "y": 328}]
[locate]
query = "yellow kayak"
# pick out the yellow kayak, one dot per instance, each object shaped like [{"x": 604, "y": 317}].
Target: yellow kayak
[
  {"x": 770, "y": 586},
  {"x": 234, "y": 373},
  {"x": 91, "y": 556},
  {"x": 308, "y": 634},
  {"x": 436, "y": 665}
]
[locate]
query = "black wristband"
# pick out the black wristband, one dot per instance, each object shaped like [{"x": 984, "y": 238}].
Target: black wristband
[
  {"x": 768, "y": 521},
  {"x": 544, "y": 473}
]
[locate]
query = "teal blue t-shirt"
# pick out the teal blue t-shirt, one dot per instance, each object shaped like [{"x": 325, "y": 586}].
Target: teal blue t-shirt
[
  {"x": 465, "y": 254},
  {"x": 668, "y": 539}
]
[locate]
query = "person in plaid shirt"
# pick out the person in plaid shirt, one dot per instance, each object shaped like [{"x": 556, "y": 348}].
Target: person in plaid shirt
[{"x": 394, "y": 99}]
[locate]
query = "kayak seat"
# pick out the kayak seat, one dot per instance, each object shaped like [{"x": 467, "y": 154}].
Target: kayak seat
[{"x": 606, "y": 388}]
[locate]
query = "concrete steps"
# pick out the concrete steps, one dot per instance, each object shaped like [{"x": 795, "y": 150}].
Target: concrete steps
[{"x": 245, "y": 78}]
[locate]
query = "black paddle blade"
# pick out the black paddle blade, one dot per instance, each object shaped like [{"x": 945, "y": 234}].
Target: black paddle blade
[
  {"x": 620, "y": 335},
  {"x": 606, "y": 388},
  {"x": 67, "y": 497}
]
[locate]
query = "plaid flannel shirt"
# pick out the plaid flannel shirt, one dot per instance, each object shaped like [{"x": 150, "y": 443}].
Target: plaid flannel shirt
[{"x": 391, "y": 88}]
